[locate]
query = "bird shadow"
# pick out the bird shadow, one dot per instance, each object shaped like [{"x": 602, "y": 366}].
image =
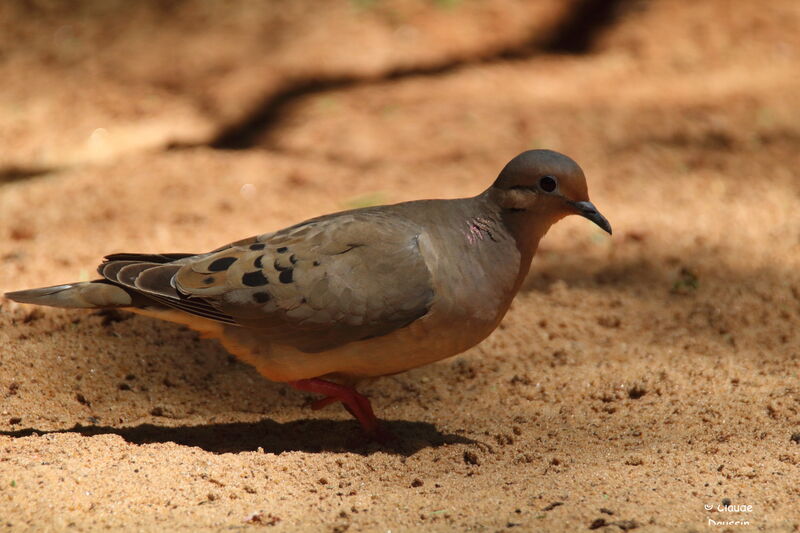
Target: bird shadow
[{"x": 311, "y": 436}]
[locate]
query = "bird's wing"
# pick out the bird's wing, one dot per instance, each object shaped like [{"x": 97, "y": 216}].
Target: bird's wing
[{"x": 314, "y": 286}]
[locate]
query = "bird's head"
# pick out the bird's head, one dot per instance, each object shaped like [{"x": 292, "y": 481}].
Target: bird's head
[{"x": 540, "y": 187}]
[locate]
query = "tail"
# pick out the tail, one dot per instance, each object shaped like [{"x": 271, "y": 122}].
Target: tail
[
  {"x": 86, "y": 295},
  {"x": 100, "y": 293}
]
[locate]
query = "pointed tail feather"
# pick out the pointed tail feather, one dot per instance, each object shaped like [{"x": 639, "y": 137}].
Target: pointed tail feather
[{"x": 87, "y": 295}]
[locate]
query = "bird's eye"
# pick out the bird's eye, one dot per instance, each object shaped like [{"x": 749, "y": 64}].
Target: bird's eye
[{"x": 548, "y": 183}]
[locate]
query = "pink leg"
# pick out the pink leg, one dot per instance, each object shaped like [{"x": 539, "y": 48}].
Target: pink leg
[{"x": 357, "y": 404}]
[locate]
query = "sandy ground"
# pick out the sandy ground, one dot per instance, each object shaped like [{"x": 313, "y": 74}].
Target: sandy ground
[
  {"x": 97, "y": 80},
  {"x": 637, "y": 381}
]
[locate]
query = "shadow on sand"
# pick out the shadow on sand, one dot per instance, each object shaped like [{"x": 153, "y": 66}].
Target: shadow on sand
[{"x": 310, "y": 436}]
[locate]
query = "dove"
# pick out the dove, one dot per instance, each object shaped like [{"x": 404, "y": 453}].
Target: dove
[{"x": 354, "y": 295}]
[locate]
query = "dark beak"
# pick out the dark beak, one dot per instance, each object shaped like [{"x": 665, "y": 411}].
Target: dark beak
[{"x": 588, "y": 210}]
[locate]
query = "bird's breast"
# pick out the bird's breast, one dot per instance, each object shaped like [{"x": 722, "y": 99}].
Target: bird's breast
[{"x": 475, "y": 270}]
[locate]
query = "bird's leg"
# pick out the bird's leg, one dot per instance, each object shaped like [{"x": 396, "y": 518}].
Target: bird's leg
[{"x": 357, "y": 404}]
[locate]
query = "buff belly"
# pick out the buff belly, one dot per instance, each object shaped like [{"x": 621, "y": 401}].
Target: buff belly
[
  {"x": 422, "y": 342},
  {"x": 418, "y": 344}
]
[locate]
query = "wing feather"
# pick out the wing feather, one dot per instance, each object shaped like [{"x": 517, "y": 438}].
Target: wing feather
[{"x": 317, "y": 285}]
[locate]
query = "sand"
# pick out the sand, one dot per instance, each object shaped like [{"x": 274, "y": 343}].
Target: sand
[{"x": 639, "y": 382}]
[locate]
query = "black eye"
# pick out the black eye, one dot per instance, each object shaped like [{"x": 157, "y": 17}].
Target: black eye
[{"x": 548, "y": 183}]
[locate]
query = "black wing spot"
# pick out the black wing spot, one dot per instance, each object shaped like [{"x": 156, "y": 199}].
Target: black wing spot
[
  {"x": 223, "y": 263},
  {"x": 209, "y": 280},
  {"x": 292, "y": 259},
  {"x": 286, "y": 275},
  {"x": 282, "y": 250},
  {"x": 254, "y": 279},
  {"x": 257, "y": 263},
  {"x": 258, "y": 246},
  {"x": 279, "y": 267},
  {"x": 261, "y": 297}
]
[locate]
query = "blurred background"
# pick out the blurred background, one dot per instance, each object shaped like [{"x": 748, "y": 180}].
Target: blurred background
[
  {"x": 368, "y": 81},
  {"x": 395, "y": 99},
  {"x": 183, "y": 124},
  {"x": 667, "y": 353}
]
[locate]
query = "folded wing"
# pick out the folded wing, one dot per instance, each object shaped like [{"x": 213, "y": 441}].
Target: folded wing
[{"x": 314, "y": 286}]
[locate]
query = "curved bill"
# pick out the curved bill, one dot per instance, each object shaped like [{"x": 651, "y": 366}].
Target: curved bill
[{"x": 588, "y": 210}]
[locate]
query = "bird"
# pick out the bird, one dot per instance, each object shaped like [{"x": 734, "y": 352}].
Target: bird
[{"x": 355, "y": 295}]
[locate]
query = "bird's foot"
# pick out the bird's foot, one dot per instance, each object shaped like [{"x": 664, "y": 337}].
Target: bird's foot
[{"x": 357, "y": 404}]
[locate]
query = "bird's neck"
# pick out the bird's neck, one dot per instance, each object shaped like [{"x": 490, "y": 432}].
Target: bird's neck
[{"x": 526, "y": 227}]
